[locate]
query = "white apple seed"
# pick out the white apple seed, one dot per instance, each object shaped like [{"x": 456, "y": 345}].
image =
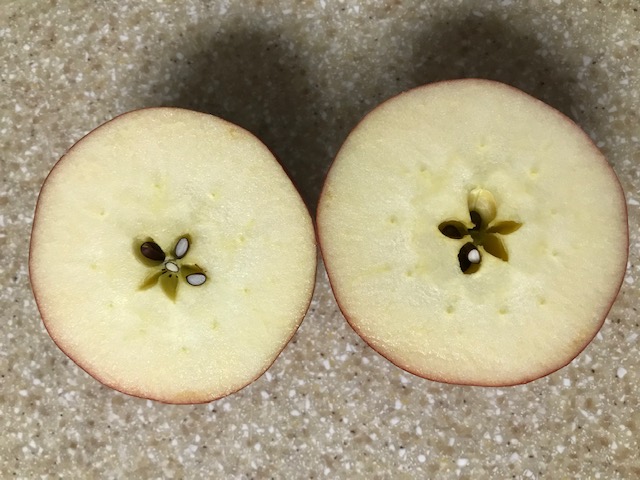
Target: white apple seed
[
  {"x": 182, "y": 247},
  {"x": 172, "y": 267},
  {"x": 196, "y": 279},
  {"x": 152, "y": 251},
  {"x": 474, "y": 256}
]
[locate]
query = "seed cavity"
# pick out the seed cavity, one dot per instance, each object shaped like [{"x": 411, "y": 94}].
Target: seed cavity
[
  {"x": 468, "y": 252},
  {"x": 182, "y": 247},
  {"x": 493, "y": 245},
  {"x": 150, "y": 281},
  {"x": 196, "y": 279},
  {"x": 476, "y": 219},
  {"x": 504, "y": 228},
  {"x": 152, "y": 251},
  {"x": 453, "y": 229},
  {"x": 169, "y": 284}
]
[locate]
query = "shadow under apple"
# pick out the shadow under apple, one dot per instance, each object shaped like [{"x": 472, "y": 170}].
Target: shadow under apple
[
  {"x": 271, "y": 85},
  {"x": 489, "y": 47},
  {"x": 257, "y": 80}
]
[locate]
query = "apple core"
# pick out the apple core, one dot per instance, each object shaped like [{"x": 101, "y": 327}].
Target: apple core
[
  {"x": 482, "y": 212},
  {"x": 165, "y": 271}
]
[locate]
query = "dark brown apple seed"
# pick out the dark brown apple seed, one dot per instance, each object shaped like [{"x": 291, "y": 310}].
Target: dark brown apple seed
[{"x": 152, "y": 251}]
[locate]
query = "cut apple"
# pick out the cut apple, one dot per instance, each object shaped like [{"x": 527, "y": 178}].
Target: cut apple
[
  {"x": 171, "y": 256},
  {"x": 472, "y": 234}
]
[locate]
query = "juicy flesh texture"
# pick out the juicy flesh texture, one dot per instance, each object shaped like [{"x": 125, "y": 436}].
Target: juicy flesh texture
[
  {"x": 163, "y": 173},
  {"x": 409, "y": 166}
]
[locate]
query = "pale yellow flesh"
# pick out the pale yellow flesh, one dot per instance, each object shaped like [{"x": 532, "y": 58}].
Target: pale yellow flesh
[
  {"x": 163, "y": 173},
  {"x": 408, "y": 167}
]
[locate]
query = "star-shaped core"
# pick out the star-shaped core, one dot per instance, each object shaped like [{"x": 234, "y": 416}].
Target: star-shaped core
[
  {"x": 485, "y": 233},
  {"x": 169, "y": 271}
]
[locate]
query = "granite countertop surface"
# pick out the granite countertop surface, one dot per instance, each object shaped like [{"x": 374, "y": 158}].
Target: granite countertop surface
[{"x": 300, "y": 74}]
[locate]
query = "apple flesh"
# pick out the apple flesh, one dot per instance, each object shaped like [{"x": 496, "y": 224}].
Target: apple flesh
[
  {"x": 171, "y": 256},
  {"x": 472, "y": 234}
]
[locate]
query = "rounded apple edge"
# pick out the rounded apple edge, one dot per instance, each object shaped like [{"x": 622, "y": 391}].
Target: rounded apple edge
[
  {"x": 605, "y": 311},
  {"x": 107, "y": 383}
]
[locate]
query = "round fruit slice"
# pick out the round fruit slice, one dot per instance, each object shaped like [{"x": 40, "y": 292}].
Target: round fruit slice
[
  {"x": 171, "y": 256},
  {"x": 473, "y": 234}
]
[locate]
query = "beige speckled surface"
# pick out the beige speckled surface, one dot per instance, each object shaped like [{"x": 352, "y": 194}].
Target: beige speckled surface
[{"x": 299, "y": 76}]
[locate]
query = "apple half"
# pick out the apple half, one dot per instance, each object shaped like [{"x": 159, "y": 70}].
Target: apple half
[
  {"x": 171, "y": 257},
  {"x": 472, "y": 234}
]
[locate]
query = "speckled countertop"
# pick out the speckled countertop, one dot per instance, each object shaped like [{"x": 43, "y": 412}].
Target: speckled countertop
[{"x": 299, "y": 74}]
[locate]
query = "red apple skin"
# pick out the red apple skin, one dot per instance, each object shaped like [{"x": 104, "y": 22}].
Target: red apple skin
[
  {"x": 603, "y": 314},
  {"x": 186, "y": 398}
]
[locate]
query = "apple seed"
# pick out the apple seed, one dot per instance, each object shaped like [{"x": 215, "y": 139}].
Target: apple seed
[
  {"x": 483, "y": 202},
  {"x": 172, "y": 267},
  {"x": 196, "y": 279},
  {"x": 182, "y": 247},
  {"x": 152, "y": 251}
]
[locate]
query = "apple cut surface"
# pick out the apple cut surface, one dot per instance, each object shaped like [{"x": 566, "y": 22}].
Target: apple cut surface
[
  {"x": 171, "y": 256},
  {"x": 473, "y": 234}
]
